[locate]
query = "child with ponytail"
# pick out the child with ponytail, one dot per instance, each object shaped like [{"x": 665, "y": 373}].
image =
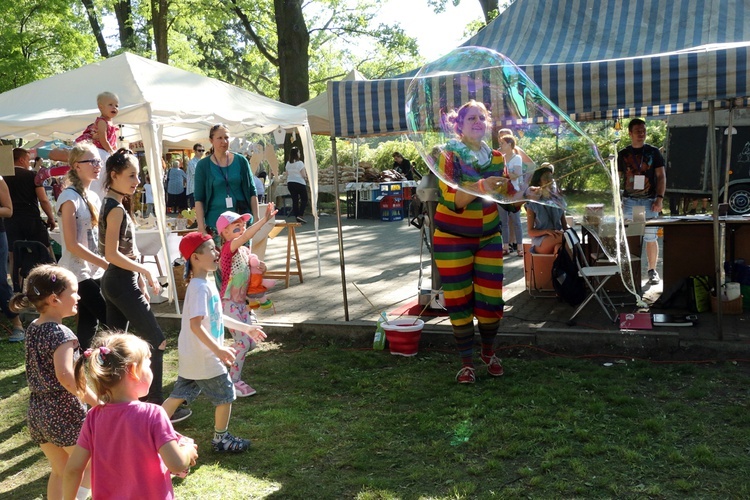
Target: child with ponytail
[
  {"x": 131, "y": 445},
  {"x": 56, "y": 413},
  {"x": 78, "y": 207},
  {"x": 125, "y": 279}
]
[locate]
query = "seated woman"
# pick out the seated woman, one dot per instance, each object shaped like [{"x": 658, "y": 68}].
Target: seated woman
[{"x": 545, "y": 218}]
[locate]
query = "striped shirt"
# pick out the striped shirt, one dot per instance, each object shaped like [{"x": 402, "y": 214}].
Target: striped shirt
[{"x": 480, "y": 217}]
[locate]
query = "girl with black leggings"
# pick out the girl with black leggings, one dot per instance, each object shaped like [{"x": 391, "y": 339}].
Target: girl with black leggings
[{"x": 124, "y": 282}]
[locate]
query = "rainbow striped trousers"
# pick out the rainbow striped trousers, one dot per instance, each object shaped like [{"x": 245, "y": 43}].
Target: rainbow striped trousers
[{"x": 471, "y": 270}]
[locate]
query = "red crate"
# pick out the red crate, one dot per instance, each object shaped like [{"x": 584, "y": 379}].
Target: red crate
[{"x": 387, "y": 202}]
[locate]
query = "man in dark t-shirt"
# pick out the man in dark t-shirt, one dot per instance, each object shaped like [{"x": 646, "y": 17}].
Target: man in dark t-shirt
[
  {"x": 26, "y": 222},
  {"x": 644, "y": 181},
  {"x": 402, "y": 165}
]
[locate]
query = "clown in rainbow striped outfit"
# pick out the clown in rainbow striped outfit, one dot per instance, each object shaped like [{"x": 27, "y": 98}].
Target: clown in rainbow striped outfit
[{"x": 468, "y": 244}]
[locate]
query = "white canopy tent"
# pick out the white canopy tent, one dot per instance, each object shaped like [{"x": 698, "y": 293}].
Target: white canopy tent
[{"x": 157, "y": 103}]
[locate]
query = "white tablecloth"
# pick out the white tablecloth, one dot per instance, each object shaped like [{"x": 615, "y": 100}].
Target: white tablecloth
[{"x": 148, "y": 243}]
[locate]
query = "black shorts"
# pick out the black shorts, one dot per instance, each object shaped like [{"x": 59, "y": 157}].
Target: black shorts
[{"x": 26, "y": 228}]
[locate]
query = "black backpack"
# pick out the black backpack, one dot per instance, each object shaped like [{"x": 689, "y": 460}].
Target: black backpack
[{"x": 568, "y": 285}]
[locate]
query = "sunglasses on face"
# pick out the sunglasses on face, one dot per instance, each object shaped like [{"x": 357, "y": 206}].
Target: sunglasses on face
[
  {"x": 95, "y": 161},
  {"x": 200, "y": 150}
]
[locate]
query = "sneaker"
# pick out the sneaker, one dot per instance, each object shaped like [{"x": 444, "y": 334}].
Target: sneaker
[
  {"x": 301, "y": 220},
  {"x": 231, "y": 444},
  {"x": 17, "y": 335},
  {"x": 466, "y": 375},
  {"x": 181, "y": 414},
  {"x": 494, "y": 365},
  {"x": 243, "y": 390},
  {"x": 653, "y": 277}
]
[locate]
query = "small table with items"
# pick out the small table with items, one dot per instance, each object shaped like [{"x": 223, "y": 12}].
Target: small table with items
[{"x": 148, "y": 242}]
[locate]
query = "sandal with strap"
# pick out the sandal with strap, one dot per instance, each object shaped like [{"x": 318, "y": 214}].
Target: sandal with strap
[{"x": 231, "y": 444}]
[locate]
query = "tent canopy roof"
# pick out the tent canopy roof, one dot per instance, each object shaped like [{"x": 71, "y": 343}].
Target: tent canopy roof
[
  {"x": 532, "y": 32},
  {"x": 317, "y": 107},
  {"x": 182, "y": 103},
  {"x": 594, "y": 59}
]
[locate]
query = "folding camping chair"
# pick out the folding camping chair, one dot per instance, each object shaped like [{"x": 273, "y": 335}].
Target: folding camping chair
[
  {"x": 27, "y": 254},
  {"x": 595, "y": 277}
]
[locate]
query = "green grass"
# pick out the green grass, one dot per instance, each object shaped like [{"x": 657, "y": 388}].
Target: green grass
[
  {"x": 337, "y": 421},
  {"x": 577, "y": 201}
]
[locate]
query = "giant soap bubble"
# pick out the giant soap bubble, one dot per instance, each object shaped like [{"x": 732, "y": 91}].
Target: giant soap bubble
[{"x": 466, "y": 105}]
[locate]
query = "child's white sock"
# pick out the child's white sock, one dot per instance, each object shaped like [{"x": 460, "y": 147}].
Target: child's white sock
[{"x": 83, "y": 493}]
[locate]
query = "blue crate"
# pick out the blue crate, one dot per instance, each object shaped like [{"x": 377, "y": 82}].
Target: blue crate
[
  {"x": 395, "y": 189},
  {"x": 391, "y": 214}
]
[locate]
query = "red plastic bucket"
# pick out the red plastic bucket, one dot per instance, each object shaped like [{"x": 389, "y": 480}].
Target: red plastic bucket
[{"x": 403, "y": 335}]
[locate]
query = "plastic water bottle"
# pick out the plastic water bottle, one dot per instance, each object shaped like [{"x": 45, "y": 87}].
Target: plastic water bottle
[{"x": 378, "y": 342}]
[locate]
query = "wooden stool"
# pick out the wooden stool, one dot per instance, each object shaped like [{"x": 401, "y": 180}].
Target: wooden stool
[
  {"x": 156, "y": 261},
  {"x": 291, "y": 240}
]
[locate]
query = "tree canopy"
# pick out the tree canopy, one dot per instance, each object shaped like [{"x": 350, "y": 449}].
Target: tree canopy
[
  {"x": 283, "y": 49},
  {"x": 40, "y": 39}
]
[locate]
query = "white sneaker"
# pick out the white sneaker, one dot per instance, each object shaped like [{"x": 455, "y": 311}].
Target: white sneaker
[{"x": 17, "y": 335}]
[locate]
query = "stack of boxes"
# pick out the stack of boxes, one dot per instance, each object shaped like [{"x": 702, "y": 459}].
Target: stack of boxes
[
  {"x": 391, "y": 201},
  {"x": 387, "y": 202}
]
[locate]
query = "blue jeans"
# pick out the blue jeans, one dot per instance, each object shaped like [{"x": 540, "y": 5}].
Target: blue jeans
[
  {"x": 627, "y": 208},
  {"x": 505, "y": 218},
  {"x": 219, "y": 389},
  {"x": 6, "y": 291}
]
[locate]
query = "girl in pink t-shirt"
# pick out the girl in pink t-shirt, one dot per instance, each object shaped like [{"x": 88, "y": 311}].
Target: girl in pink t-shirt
[{"x": 132, "y": 445}]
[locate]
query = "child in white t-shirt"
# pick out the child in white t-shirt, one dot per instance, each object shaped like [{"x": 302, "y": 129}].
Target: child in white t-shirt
[{"x": 203, "y": 358}]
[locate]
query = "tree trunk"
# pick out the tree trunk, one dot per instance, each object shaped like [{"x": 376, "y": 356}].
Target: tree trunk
[
  {"x": 159, "y": 12},
  {"x": 293, "y": 44},
  {"x": 487, "y": 7},
  {"x": 124, "y": 14},
  {"x": 95, "y": 28}
]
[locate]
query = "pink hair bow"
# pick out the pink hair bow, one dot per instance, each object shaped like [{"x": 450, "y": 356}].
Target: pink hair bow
[{"x": 103, "y": 351}]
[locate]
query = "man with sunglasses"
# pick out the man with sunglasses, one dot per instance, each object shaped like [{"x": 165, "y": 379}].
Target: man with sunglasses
[{"x": 198, "y": 151}]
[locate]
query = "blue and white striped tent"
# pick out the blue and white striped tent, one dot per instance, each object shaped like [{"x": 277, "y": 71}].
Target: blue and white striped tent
[{"x": 594, "y": 59}]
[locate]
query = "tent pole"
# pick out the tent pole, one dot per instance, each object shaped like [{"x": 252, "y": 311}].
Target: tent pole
[
  {"x": 726, "y": 170},
  {"x": 338, "y": 225},
  {"x": 356, "y": 181},
  {"x": 728, "y": 131},
  {"x": 717, "y": 229}
]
